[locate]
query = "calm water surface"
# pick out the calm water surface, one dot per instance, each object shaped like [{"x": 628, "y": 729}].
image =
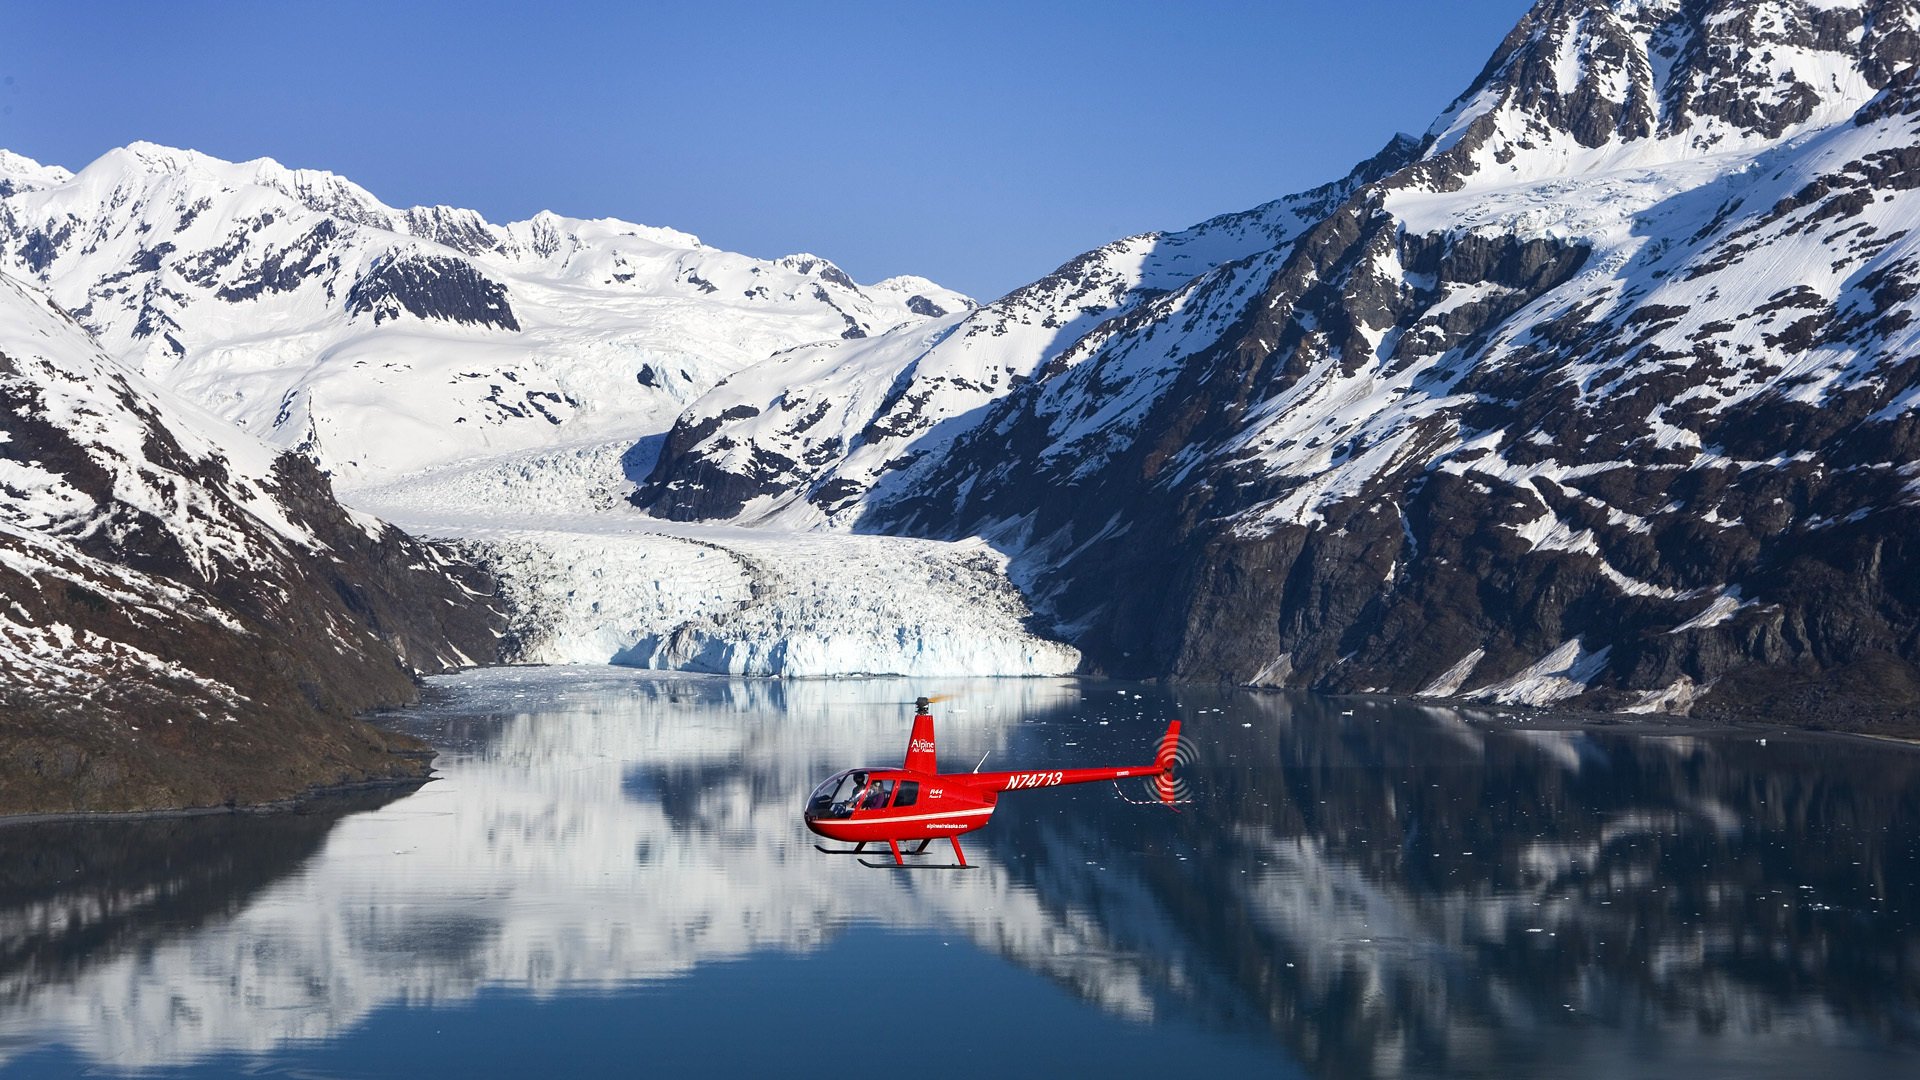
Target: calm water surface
[{"x": 611, "y": 877}]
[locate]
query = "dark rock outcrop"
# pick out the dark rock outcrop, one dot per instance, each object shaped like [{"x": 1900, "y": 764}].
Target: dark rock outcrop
[
  {"x": 431, "y": 287},
  {"x": 186, "y": 620}
]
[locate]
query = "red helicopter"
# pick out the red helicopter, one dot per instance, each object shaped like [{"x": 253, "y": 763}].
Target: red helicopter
[{"x": 914, "y": 802}]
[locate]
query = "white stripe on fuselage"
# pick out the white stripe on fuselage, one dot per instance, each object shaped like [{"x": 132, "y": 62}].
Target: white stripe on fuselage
[{"x": 924, "y": 817}]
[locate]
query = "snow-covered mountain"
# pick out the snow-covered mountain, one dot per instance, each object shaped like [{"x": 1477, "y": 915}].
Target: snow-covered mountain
[
  {"x": 386, "y": 341},
  {"x": 814, "y": 433},
  {"x": 496, "y": 384},
  {"x": 1602, "y": 394},
  {"x": 186, "y": 616}
]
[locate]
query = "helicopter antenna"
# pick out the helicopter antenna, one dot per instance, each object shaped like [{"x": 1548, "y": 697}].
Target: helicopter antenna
[{"x": 983, "y": 761}]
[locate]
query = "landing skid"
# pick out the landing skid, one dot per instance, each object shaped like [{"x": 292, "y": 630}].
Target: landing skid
[
  {"x": 861, "y": 849},
  {"x": 900, "y": 858}
]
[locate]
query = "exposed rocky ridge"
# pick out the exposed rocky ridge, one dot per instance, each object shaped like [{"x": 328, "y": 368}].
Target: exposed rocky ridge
[
  {"x": 1585, "y": 82},
  {"x": 1606, "y": 400},
  {"x": 431, "y": 287},
  {"x": 188, "y": 618},
  {"x": 386, "y": 341}
]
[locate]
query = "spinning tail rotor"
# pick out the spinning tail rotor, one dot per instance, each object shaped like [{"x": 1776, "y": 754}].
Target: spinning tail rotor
[
  {"x": 1166, "y": 787},
  {"x": 1166, "y": 758}
]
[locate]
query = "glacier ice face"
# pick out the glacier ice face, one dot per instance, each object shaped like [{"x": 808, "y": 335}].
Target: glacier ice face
[
  {"x": 590, "y": 580},
  {"x": 731, "y": 601}
]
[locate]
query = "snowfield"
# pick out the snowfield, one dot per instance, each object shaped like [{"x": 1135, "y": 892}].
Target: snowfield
[{"x": 384, "y": 341}]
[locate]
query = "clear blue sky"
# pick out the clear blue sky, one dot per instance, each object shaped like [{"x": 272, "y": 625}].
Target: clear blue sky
[{"x": 979, "y": 144}]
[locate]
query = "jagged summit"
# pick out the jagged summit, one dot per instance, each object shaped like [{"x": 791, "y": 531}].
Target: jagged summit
[
  {"x": 21, "y": 173},
  {"x": 1588, "y": 85},
  {"x": 334, "y": 195}
]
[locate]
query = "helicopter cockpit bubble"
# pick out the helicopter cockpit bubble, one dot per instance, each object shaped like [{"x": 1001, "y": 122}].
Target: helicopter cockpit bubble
[{"x": 837, "y": 796}]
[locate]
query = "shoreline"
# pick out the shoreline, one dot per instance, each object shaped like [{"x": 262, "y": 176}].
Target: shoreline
[
  {"x": 1546, "y": 718},
  {"x": 1900, "y": 739},
  {"x": 302, "y": 803}
]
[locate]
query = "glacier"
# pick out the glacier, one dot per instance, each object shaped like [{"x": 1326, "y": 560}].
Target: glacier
[{"x": 588, "y": 580}]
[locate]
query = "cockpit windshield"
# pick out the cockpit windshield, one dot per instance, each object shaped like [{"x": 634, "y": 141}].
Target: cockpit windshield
[{"x": 837, "y": 797}]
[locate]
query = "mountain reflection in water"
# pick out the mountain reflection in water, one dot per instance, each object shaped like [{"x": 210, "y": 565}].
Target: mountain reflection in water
[{"x": 1389, "y": 892}]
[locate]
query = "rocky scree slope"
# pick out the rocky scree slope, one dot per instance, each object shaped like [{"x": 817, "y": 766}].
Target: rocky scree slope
[
  {"x": 384, "y": 341},
  {"x": 187, "y": 617},
  {"x": 1606, "y": 398}
]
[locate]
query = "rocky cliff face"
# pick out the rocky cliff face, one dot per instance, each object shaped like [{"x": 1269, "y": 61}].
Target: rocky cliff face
[
  {"x": 188, "y": 618},
  {"x": 1604, "y": 398}
]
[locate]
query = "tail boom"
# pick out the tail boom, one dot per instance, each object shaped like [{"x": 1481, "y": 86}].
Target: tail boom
[{"x": 1161, "y": 769}]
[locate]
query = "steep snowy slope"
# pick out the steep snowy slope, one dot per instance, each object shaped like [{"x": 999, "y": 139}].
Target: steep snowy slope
[
  {"x": 186, "y": 616},
  {"x": 811, "y": 434},
  {"x": 1607, "y": 398},
  {"x": 385, "y": 341}
]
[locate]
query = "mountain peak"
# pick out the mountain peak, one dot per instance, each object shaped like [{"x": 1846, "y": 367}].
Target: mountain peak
[
  {"x": 328, "y": 193},
  {"x": 810, "y": 265},
  {"x": 553, "y": 226},
  {"x": 160, "y": 158},
  {"x": 21, "y": 173},
  {"x": 1584, "y": 85}
]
